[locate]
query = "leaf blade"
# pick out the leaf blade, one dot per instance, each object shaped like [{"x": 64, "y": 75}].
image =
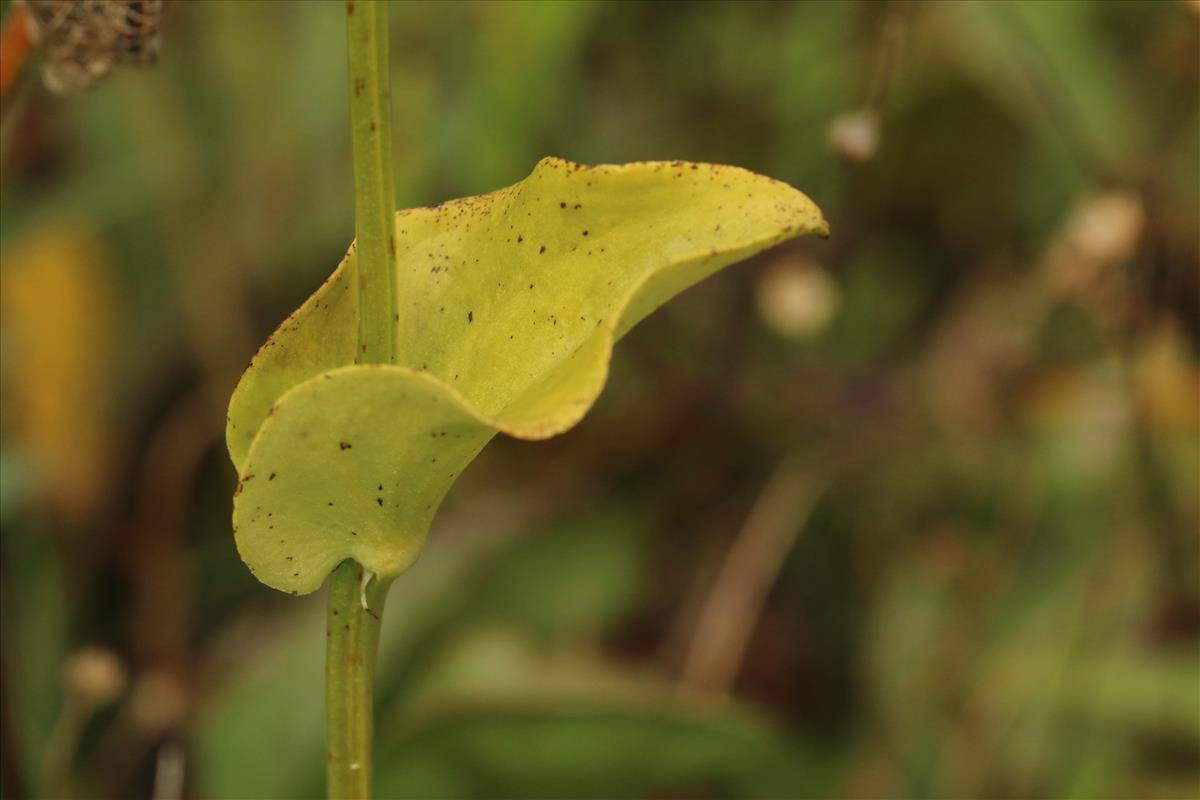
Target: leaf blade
[{"x": 511, "y": 303}]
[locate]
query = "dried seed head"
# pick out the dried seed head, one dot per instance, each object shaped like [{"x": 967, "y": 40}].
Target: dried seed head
[
  {"x": 136, "y": 23},
  {"x": 85, "y": 39}
]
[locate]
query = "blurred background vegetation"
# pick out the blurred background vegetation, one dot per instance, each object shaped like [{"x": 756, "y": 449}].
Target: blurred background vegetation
[{"x": 910, "y": 513}]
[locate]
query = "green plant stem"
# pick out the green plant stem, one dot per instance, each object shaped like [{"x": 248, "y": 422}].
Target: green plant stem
[
  {"x": 351, "y": 646},
  {"x": 374, "y": 183},
  {"x": 352, "y": 635}
]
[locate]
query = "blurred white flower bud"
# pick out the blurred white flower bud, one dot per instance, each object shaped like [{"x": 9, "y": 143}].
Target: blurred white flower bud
[
  {"x": 855, "y": 135},
  {"x": 796, "y": 298},
  {"x": 94, "y": 676},
  {"x": 1103, "y": 231}
]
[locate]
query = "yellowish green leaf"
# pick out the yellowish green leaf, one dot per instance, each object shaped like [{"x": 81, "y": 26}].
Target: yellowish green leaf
[{"x": 509, "y": 305}]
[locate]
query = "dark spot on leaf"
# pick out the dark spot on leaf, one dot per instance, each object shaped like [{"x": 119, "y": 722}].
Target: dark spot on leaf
[
  {"x": 541, "y": 249},
  {"x": 470, "y": 316},
  {"x": 344, "y": 445},
  {"x": 271, "y": 477}
]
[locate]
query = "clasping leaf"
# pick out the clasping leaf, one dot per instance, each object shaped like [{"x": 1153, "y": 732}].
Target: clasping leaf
[{"x": 509, "y": 306}]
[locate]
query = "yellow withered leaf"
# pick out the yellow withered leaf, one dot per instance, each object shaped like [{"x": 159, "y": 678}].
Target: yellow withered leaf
[{"x": 58, "y": 321}]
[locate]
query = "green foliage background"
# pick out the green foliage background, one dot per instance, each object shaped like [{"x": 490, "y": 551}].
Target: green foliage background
[{"x": 997, "y": 590}]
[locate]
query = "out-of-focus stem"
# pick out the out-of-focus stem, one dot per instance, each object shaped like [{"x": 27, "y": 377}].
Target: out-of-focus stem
[{"x": 732, "y": 607}]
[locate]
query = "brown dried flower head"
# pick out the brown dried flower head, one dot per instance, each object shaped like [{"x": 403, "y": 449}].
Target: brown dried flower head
[{"x": 85, "y": 39}]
